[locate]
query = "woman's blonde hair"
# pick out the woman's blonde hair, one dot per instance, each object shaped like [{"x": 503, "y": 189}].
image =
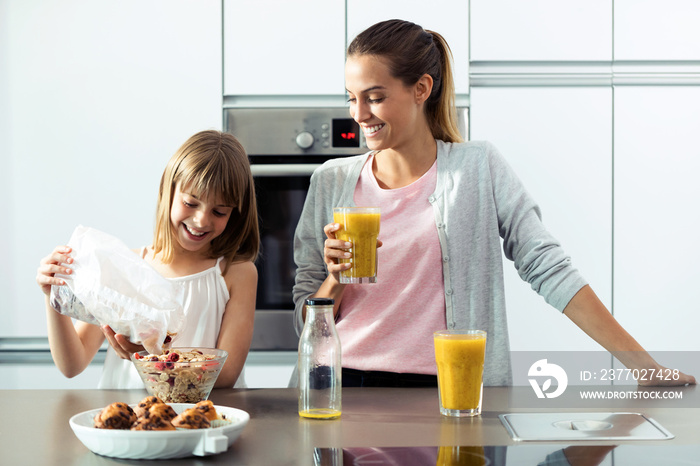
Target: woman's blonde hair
[
  {"x": 412, "y": 52},
  {"x": 212, "y": 163}
]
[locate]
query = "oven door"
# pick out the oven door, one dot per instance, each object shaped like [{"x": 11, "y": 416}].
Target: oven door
[{"x": 281, "y": 190}]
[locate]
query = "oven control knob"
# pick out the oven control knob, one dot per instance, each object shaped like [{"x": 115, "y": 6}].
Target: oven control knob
[{"x": 305, "y": 139}]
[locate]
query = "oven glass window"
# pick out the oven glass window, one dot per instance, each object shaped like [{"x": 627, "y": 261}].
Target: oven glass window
[
  {"x": 280, "y": 201},
  {"x": 346, "y": 133}
]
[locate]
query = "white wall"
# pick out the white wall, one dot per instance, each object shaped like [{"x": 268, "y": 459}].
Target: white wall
[
  {"x": 94, "y": 99},
  {"x": 635, "y": 208}
]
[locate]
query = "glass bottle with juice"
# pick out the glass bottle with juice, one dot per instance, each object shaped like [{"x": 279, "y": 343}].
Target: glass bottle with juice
[{"x": 320, "y": 371}]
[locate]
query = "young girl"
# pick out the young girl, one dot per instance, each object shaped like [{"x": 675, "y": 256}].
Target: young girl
[
  {"x": 206, "y": 237},
  {"x": 446, "y": 205}
]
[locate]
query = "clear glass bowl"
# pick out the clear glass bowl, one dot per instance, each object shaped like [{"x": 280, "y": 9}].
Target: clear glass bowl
[{"x": 186, "y": 378}]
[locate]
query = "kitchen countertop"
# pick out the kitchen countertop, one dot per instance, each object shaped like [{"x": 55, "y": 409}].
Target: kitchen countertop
[{"x": 383, "y": 421}]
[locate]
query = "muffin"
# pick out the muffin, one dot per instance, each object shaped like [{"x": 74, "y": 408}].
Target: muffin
[
  {"x": 206, "y": 407},
  {"x": 161, "y": 410},
  {"x": 191, "y": 418},
  {"x": 153, "y": 422},
  {"x": 115, "y": 416},
  {"x": 145, "y": 404}
]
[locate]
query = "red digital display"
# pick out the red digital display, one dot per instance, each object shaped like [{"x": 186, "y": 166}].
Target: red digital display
[{"x": 346, "y": 133}]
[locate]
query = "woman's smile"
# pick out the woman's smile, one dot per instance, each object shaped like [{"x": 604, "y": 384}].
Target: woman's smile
[{"x": 371, "y": 130}]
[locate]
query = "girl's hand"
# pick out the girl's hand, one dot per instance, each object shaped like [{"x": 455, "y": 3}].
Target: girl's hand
[
  {"x": 335, "y": 249},
  {"x": 52, "y": 264},
  {"x": 121, "y": 344}
]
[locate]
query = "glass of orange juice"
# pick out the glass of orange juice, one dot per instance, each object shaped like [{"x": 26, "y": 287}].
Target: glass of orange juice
[
  {"x": 359, "y": 226},
  {"x": 459, "y": 355}
]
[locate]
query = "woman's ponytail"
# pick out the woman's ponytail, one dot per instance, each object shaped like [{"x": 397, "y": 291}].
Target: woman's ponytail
[{"x": 442, "y": 111}]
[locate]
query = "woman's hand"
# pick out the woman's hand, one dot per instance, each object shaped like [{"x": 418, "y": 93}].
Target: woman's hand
[
  {"x": 587, "y": 311},
  {"x": 335, "y": 249},
  {"x": 52, "y": 264},
  {"x": 121, "y": 344}
]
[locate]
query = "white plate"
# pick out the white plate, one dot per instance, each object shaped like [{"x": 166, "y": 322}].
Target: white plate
[{"x": 134, "y": 444}]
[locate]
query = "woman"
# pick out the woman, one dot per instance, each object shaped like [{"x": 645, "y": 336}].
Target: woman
[{"x": 445, "y": 207}]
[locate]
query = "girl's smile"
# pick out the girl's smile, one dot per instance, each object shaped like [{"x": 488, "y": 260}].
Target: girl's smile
[{"x": 194, "y": 234}]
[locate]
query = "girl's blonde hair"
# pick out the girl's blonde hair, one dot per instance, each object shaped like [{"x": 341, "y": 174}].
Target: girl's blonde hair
[
  {"x": 212, "y": 163},
  {"x": 412, "y": 52}
]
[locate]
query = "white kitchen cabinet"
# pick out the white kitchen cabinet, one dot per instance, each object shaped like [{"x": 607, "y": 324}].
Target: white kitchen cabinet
[
  {"x": 269, "y": 369},
  {"x": 657, "y": 30},
  {"x": 541, "y": 30},
  {"x": 449, "y": 18},
  {"x": 263, "y": 369},
  {"x": 46, "y": 376},
  {"x": 97, "y": 96},
  {"x": 277, "y": 47},
  {"x": 559, "y": 141},
  {"x": 657, "y": 161}
]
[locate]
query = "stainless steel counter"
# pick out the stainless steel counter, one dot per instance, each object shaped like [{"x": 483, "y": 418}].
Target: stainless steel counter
[{"x": 377, "y": 421}]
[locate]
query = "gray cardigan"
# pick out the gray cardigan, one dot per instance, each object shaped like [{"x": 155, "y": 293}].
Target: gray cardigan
[{"x": 477, "y": 201}]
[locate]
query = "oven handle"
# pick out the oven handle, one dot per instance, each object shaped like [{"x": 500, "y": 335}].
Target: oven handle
[{"x": 284, "y": 169}]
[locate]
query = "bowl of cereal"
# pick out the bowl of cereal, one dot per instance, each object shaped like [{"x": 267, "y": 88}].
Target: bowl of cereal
[{"x": 180, "y": 375}]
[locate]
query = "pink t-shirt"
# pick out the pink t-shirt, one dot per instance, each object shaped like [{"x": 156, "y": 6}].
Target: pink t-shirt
[{"x": 389, "y": 325}]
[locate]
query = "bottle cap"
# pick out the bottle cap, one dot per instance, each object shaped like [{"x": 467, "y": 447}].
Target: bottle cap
[{"x": 320, "y": 302}]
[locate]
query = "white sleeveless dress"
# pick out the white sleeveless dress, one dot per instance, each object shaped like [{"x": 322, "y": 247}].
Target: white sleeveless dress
[{"x": 206, "y": 295}]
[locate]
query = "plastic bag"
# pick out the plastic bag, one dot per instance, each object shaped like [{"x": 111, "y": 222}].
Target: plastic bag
[{"x": 111, "y": 285}]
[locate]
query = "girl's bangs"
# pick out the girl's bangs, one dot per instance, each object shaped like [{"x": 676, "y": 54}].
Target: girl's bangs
[{"x": 211, "y": 180}]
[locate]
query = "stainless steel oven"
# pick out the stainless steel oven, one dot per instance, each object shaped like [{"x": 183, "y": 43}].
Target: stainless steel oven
[{"x": 285, "y": 146}]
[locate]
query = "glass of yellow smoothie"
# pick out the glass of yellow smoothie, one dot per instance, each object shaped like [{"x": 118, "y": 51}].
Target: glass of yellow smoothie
[
  {"x": 459, "y": 355},
  {"x": 359, "y": 226}
]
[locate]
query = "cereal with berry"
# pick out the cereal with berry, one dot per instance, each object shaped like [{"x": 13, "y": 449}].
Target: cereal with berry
[{"x": 179, "y": 376}]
